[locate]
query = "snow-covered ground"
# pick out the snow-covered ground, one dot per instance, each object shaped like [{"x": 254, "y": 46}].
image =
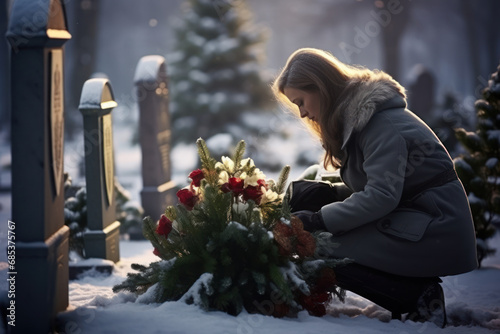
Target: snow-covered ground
[{"x": 473, "y": 306}]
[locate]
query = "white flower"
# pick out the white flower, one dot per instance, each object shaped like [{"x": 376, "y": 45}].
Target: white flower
[
  {"x": 259, "y": 174},
  {"x": 227, "y": 164},
  {"x": 240, "y": 207},
  {"x": 223, "y": 177},
  {"x": 251, "y": 180},
  {"x": 243, "y": 176},
  {"x": 246, "y": 161},
  {"x": 269, "y": 196}
]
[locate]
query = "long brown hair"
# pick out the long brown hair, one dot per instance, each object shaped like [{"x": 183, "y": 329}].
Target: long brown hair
[{"x": 312, "y": 69}]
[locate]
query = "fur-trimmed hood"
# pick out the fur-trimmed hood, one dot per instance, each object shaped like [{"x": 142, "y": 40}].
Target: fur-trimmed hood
[{"x": 366, "y": 97}]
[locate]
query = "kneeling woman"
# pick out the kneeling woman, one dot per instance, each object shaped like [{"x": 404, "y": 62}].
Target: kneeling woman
[{"x": 400, "y": 213}]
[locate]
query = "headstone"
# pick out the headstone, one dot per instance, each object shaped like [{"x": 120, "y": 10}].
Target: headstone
[
  {"x": 96, "y": 104},
  {"x": 422, "y": 93},
  {"x": 151, "y": 82},
  {"x": 39, "y": 266}
]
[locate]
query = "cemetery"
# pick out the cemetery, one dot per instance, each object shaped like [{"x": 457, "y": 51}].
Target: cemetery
[{"x": 89, "y": 250}]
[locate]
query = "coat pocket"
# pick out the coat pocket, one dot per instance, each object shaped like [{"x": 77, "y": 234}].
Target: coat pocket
[{"x": 405, "y": 223}]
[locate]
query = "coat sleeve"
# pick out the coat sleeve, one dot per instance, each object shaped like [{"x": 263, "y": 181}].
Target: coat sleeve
[
  {"x": 385, "y": 154},
  {"x": 342, "y": 191}
]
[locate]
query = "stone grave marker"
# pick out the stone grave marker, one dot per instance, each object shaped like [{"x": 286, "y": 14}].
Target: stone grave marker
[
  {"x": 96, "y": 104},
  {"x": 151, "y": 83},
  {"x": 38, "y": 271}
]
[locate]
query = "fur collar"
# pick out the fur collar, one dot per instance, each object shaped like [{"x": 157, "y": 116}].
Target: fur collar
[{"x": 367, "y": 94}]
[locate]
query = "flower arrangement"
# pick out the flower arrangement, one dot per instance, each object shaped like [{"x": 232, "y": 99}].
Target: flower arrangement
[{"x": 232, "y": 243}]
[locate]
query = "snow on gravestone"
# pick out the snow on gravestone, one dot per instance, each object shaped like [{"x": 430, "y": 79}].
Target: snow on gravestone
[
  {"x": 38, "y": 248},
  {"x": 154, "y": 135},
  {"x": 96, "y": 104}
]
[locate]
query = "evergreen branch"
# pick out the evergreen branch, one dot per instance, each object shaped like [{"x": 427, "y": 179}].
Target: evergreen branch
[
  {"x": 206, "y": 160},
  {"x": 286, "y": 211},
  {"x": 238, "y": 153},
  {"x": 171, "y": 213},
  {"x": 280, "y": 186},
  {"x": 138, "y": 282}
]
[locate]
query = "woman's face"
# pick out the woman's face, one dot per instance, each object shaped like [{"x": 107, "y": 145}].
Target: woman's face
[{"x": 307, "y": 101}]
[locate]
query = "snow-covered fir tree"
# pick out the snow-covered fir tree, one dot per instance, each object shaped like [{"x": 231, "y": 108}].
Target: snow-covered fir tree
[
  {"x": 215, "y": 69},
  {"x": 479, "y": 170}
]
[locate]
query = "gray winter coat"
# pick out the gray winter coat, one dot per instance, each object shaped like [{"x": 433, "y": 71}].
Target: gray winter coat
[{"x": 388, "y": 152}]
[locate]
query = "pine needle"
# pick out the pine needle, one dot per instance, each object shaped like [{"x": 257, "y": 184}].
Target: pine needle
[
  {"x": 283, "y": 178},
  {"x": 238, "y": 153},
  {"x": 206, "y": 160}
]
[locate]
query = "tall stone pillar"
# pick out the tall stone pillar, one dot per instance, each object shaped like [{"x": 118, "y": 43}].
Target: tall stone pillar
[
  {"x": 154, "y": 134},
  {"x": 96, "y": 104},
  {"x": 38, "y": 248}
]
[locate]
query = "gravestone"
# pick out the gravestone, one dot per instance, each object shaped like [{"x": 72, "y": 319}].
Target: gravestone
[
  {"x": 151, "y": 83},
  {"x": 38, "y": 269},
  {"x": 422, "y": 93},
  {"x": 96, "y": 104}
]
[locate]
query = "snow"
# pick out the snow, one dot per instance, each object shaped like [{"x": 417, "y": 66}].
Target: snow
[
  {"x": 237, "y": 226},
  {"x": 494, "y": 135},
  {"x": 473, "y": 199},
  {"x": 461, "y": 163},
  {"x": 92, "y": 91},
  {"x": 76, "y": 261},
  {"x": 148, "y": 68},
  {"x": 199, "y": 77},
  {"x": 491, "y": 163},
  {"x": 292, "y": 274},
  {"x": 193, "y": 294},
  {"x": 186, "y": 158},
  {"x": 472, "y": 303},
  {"x": 19, "y": 25},
  {"x": 208, "y": 23},
  {"x": 195, "y": 39},
  {"x": 219, "y": 143}
]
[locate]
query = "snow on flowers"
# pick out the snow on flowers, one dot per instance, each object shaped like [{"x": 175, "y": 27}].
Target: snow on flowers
[{"x": 232, "y": 244}]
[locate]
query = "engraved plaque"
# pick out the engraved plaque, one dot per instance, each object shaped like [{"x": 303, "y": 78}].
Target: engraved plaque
[
  {"x": 107, "y": 150},
  {"x": 57, "y": 117}
]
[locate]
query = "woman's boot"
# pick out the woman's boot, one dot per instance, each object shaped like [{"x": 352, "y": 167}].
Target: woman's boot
[{"x": 422, "y": 298}]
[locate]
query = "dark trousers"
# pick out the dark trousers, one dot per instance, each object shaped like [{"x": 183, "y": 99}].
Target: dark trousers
[{"x": 398, "y": 294}]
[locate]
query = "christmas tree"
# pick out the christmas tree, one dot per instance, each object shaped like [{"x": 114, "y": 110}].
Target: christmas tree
[
  {"x": 232, "y": 244},
  {"x": 479, "y": 170},
  {"x": 215, "y": 74}
]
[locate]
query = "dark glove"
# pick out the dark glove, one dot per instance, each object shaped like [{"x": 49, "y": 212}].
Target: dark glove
[
  {"x": 311, "y": 195},
  {"x": 312, "y": 221}
]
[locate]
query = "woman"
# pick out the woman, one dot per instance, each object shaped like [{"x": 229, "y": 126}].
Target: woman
[{"x": 401, "y": 213}]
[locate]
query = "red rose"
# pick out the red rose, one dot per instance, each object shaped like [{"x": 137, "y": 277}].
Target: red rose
[
  {"x": 187, "y": 198},
  {"x": 236, "y": 185},
  {"x": 156, "y": 252},
  {"x": 262, "y": 183},
  {"x": 164, "y": 226},
  {"x": 196, "y": 176},
  {"x": 253, "y": 193},
  {"x": 225, "y": 188},
  {"x": 320, "y": 297},
  {"x": 313, "y": 304}
]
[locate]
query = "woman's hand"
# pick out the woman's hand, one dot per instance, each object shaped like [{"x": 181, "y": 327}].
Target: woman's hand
[{"x": 312, "y": 221}]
